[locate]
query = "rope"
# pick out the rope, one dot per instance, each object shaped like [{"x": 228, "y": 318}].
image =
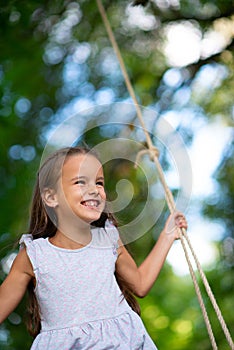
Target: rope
[
  {"x": 211, "y": 295},
  {"x": 154, "y": 154},
  {"x": 171, "y": 205},
  {"x": 199, "y": 296}
]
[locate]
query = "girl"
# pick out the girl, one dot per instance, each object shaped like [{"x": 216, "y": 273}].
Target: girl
[{"x": 80, "y": 277}]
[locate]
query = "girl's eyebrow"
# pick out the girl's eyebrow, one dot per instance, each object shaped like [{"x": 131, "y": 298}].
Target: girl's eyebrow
[
  {"x": 79, "y": 177},
  {"x": 100, "y": 178}
]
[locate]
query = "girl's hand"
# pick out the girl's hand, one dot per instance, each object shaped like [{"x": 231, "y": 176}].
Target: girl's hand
[{"x": 175, "y": 222}]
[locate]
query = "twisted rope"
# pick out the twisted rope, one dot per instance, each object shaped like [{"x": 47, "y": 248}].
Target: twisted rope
[{"x": 154, "y": 154}]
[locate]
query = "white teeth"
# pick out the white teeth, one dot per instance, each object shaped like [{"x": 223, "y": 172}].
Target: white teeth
[{"x": 91, "y": 203}]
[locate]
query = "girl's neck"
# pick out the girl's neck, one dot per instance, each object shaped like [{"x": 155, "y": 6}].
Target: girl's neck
[{"x": 72, "y": 240}]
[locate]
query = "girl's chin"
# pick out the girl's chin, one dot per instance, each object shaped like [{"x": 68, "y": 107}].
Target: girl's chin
[
  {"x": 86, "y": 214},
  {"x": 92, "y": 216}
]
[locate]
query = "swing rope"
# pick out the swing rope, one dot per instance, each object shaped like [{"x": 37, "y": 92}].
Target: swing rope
[{"x": 153, "y": 153}]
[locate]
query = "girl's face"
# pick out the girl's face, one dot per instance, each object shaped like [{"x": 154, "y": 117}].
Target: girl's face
[{"x": 81, "y": 189}]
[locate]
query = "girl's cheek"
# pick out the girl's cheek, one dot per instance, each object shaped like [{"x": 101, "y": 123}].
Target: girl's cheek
[
  {"x": 103, "y": 194},
  {"x": 81, "y": 191}
]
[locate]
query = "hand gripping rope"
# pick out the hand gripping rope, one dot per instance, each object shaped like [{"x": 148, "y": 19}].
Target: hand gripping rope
[{"x": 154, "y": 153}]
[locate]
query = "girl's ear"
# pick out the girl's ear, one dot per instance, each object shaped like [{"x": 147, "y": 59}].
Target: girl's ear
[{"x": 49, "y": 197}]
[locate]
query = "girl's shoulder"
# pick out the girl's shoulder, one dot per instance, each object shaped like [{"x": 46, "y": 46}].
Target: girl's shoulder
[
  {"x": 105, "y": 237},
  {"x": 33, "y": 247},
  {"x": 27, "y": 241}
]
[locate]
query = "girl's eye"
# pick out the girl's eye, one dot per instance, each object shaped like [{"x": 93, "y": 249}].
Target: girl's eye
[
  {"x": 80, "y": 182},
  {"x": 100, "y": 183}
]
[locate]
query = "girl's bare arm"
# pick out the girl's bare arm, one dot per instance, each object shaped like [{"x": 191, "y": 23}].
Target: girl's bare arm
[
  {"x": 142, "y": 278},
  {"x": 14, "y": 286}
]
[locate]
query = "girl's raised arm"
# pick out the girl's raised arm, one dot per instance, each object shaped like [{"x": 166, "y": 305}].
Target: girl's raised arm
[
  {"x": 14, "y": 286},
  {"x": 142, "y": 278}
]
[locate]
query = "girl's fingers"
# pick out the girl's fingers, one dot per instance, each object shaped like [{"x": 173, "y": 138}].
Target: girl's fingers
[
  {"x": 180, "y": 220},
  {"x": 175, "y": 221}
]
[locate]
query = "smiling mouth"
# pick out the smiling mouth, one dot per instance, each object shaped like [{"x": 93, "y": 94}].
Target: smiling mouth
[{"x": 91, "y": 203}]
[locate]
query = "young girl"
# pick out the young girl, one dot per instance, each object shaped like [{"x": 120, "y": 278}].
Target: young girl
[{"x": 80, "y": 277}]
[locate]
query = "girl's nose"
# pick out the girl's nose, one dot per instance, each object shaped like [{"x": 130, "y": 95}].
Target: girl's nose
[{"x": 93, "y": 190}]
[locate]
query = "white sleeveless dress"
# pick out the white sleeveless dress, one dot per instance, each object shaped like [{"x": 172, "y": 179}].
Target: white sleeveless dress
[{"x": 80, "y": 301}]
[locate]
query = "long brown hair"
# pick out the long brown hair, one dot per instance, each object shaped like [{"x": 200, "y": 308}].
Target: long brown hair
[{"x": 43, "y": 224}]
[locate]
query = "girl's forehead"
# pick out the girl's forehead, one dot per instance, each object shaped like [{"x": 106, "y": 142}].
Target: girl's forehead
[{"x": 82, "y": 164}]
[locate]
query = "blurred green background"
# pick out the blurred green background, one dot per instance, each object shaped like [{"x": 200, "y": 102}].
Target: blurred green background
[{"x": 56, "y": 61}]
